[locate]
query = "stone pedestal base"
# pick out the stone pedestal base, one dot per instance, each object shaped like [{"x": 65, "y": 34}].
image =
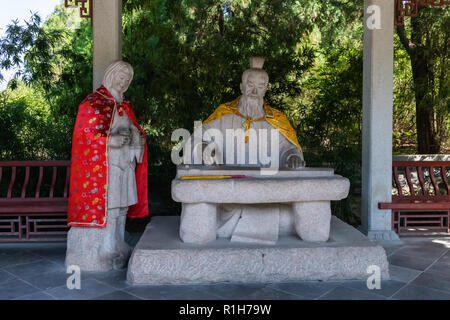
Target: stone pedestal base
[
  {"x": 84, "y": 249},
  {"x": 161, "y": 257}
]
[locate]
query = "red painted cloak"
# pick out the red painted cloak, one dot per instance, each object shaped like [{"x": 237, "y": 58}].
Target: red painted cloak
[{"x": 88, "y": 194}]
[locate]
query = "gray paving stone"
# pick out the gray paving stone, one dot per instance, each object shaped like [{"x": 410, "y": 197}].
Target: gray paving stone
[
  {"x": 6, "y": 276},
  {"x": 232, "y": 291},
  {"x": 15, "y": 288},
  {"x": 197, "y": 295},
  {"x": 48, "y": 280},
  {"x": 413, "y": 292},
  {"x": 160, "y": 292},
  {"x": 114, "y": 278},
  {"x": 269, "y": 293},
  {"x": 307, "y": 289},
  {"x": 441, "y": 268},
  {"x": 444, "y": 262},
  {"x": 117, "y": 295},
  {"x": 49, "y": 249},
  {"x": 388, "y": 287},
  {"x": 406, "y": 261},
  {"x": 10, "y": 258},
  {"x": 53, "y": 252},
  {"x": 428, "y": 251},
  {"x": 392, "y": 250},
  {"x": 402, "y": 274},
  {"x": 27, "y": 269},
  {"x": 36, "y": 296},
  {"x": 34, "y": 269},
  {"x": 433, "y": 280},
  {"x": 343, "y": 293},
  {"x": 90, "y": 288}
]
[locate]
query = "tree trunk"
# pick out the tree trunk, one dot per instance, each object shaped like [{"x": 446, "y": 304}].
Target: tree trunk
[
  {"x": 426, "y": 135},
  {"x": 427, "y": 138}
]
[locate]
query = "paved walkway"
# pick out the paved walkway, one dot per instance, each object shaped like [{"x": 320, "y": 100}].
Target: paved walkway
[{"x": 419, "y": 267}]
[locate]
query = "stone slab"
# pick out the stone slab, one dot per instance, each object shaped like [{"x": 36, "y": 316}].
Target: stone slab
[
  {"x": 260, "y": 190},
  {"x": 191, "y": 170},
  {"x": 160, "y": 257}
]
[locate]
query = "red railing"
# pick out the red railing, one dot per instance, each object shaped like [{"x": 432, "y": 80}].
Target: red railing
[
  {"x": 426, "y": 189},
  {"x": 34, "y": 217}
]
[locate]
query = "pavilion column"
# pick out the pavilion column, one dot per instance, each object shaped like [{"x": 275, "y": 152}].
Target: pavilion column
[
  {"x": 107, "y": 28},
  {"x": 377, "y": 118}
]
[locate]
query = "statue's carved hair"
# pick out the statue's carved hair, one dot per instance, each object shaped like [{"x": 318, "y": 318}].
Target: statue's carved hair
[
  {"x": 113, "y": 69},
  {"x": 256, "y": 66}
]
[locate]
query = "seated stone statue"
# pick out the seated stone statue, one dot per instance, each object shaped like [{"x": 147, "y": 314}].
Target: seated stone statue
[
  {"x": 254, "y": 124},
  {"x": 257, "y": 128}
]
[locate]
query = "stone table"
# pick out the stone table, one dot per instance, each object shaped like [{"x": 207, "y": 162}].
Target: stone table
[{"x": 308, "y": 190}]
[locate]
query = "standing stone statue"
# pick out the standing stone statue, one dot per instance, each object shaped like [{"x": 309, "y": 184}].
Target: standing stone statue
[{"x": 108, "y": 175}]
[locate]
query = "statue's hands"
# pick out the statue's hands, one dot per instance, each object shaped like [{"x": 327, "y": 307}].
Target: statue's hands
[
  {"x": 294, "y": 161},
  {"x": 118, "y": 141}
]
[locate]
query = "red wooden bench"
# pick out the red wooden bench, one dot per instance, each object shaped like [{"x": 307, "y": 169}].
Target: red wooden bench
[
  {"x": 37, "y": 213},
  {"x": 425, "y": 206}
]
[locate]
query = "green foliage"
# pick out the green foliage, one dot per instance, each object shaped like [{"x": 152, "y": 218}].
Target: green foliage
[
  {"x": 426, "y": 42},
  {"x": 330, "y": 125},
  {"x": 191, "y": 56},
  {"x": 27, "y": 130},
  {"x": 55, "y": 61},
  {"x": 188, "y": 58}
]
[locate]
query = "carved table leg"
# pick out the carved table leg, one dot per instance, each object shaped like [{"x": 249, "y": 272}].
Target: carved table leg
[
  {"x": 312, "y": 220},
  {"x": 198, "y": 222}
]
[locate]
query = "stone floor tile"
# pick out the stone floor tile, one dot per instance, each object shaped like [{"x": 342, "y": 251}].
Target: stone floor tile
[
  {"x": 392, "y": 250},
  {"x": 307, "y": 289},
  {"x": 413, "y": 292},
  {"x": 428, "y": 251},
  {"x": 40, "y": 295},
  {"x": 387, "y": 287},
  {"x": 232, "y": 291},
  {"x": 48, "y": 280},
  {"x": 117, "y": 295},
  {"x": 416, "y": 263},
  {"x": 196, "y": 294},
  {"x": 90, "y": 288},
  {"x": 433, "y": 280},
  {"x": 15, "y": 288},
  {"x": 116, "y": 279},
  {"x": 10, "y": 258},
  {"x": 441, "y": 268},
  {"x": 344, "y": 293},
  {"x": 6, "y": 276},
  {"x": 34, "y": 269},
  {"x": 402, "y": 274},
  {"x": 269, "y": 293},
  {"x": 163, "y": 292}
]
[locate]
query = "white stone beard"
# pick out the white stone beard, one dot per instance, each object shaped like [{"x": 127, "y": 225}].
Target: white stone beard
[{"x": 253, "y": 108}]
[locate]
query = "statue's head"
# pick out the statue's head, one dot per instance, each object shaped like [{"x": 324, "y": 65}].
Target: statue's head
[
  {"x": 255, "y": 80},
  {"x": 118, "y": 76}
]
